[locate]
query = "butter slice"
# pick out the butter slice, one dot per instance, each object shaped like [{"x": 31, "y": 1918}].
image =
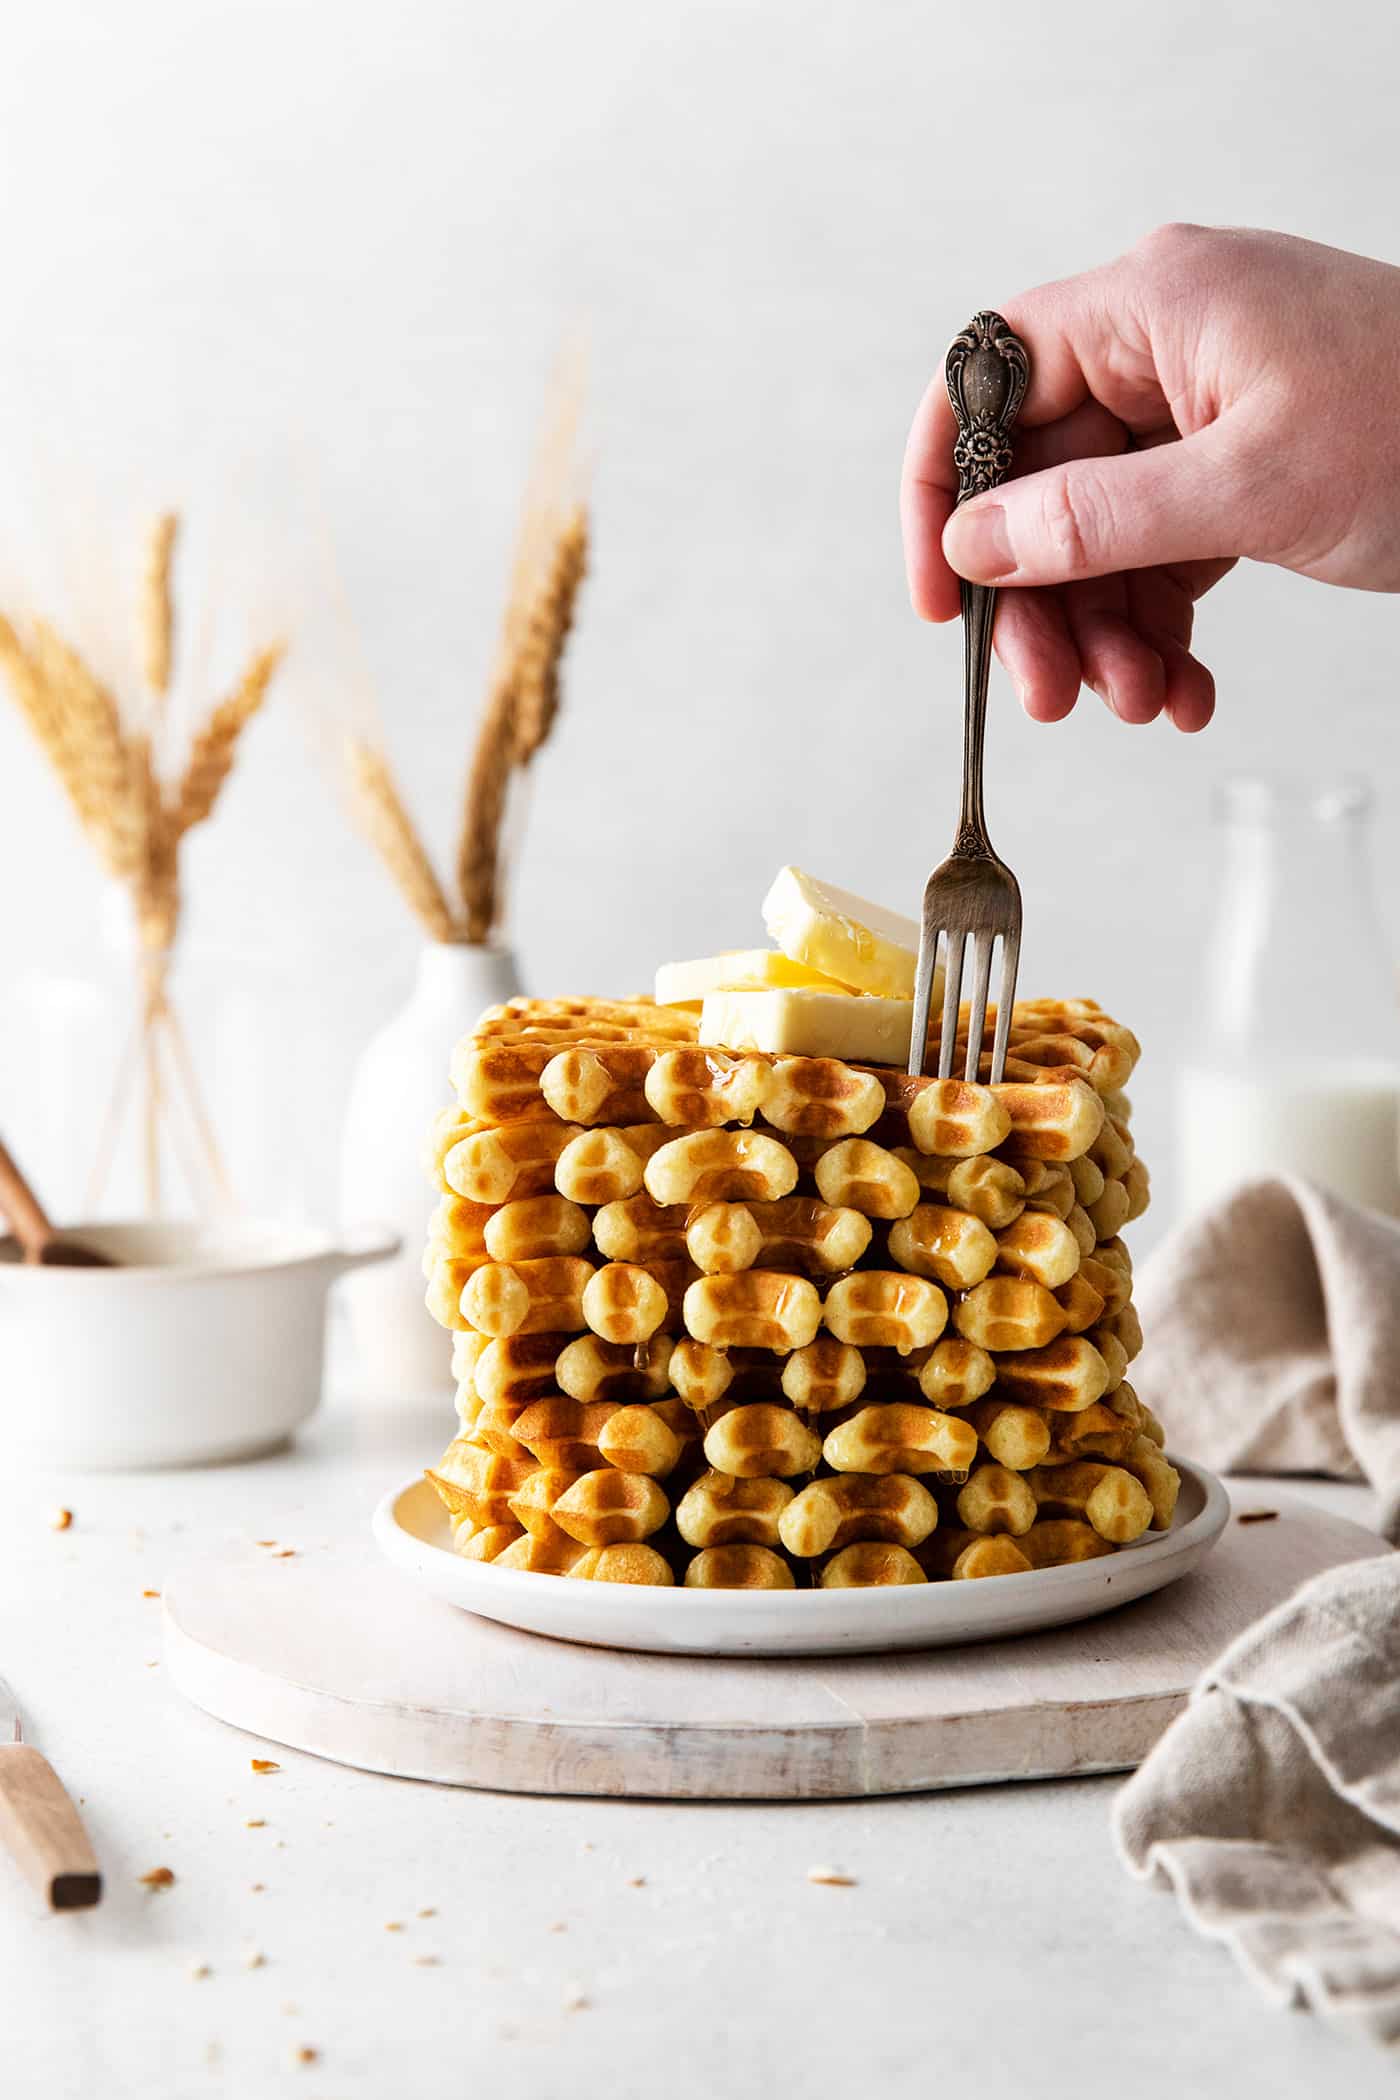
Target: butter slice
[
  {"x": 842, "y": 935},
  {"x": 805, "y": 1023},
  {"x": 740, "y": 970}
]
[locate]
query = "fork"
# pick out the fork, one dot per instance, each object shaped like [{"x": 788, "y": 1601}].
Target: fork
[{"x": 974, "y": 895}]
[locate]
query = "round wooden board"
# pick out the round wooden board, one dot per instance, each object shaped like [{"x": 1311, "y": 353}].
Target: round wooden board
[{"x": 336, "y": 1653}]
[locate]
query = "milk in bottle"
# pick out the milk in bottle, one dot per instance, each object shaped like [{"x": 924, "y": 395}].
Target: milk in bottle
[{"x": 1296, "y": 1060}]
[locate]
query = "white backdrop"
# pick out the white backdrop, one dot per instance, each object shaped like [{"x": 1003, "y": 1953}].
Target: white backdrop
[{"x": 358, "y": 234}]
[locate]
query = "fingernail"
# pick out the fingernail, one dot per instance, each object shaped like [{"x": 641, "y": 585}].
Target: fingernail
[{"x": 977, "y": 543}]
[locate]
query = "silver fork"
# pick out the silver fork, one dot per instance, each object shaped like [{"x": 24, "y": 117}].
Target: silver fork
[{"x": 974, "y": 894}]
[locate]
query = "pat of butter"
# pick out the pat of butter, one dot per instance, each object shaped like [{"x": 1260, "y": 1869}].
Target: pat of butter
[
  {"x": 805, "y": 1023},
  {"x": 740, "y": 970},
  {"x": 843, "y": 936}
]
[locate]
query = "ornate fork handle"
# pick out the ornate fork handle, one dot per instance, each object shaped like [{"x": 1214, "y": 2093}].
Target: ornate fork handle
[{"x": 987, "y": 371}]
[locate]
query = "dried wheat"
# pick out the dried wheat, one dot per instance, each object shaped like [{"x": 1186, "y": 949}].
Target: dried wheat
[
  {"x": 36, "y": 702},
  {"x": 391, "y": 831},
  {"x": 479, "y": 850},
  {"x": 212, "y": 752},
  {"x": 112, "y": 780},
  {"x": 92, "y": 727},
  {"x": 547, "y": 567},
  {"x": 547, "y": 633},
  {"x": 157, "y": 606}
]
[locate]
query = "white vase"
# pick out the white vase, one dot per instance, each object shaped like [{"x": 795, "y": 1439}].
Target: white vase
[{"x": 399, "y": 1086}]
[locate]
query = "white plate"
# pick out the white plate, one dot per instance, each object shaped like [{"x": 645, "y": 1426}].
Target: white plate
[{"x": 410, "y": 1526}]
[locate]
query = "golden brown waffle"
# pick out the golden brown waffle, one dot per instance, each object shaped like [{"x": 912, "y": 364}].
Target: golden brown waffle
[{"x": 738, "y": 1320}]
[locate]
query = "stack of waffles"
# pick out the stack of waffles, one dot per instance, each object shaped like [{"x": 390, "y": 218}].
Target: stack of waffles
[{"x": 742, "y": 1320}]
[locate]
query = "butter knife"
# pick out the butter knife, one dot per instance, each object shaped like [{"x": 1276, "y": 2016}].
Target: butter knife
[{"x": 38, "y": 1823}]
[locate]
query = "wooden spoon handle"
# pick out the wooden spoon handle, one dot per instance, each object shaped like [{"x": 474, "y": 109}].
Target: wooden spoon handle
[
  {"x": 40, "y": 1826},
  {"x": 22, "y": 1207}
]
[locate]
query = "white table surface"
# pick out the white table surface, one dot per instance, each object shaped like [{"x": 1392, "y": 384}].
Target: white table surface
[{"x": 991, "y": 1942}]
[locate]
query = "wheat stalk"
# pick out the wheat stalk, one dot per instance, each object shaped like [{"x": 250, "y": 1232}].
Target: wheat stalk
[
  {"x": 146, "y": 811},
  {"x": 520, "y": 710},
  {"x": 488, "y": 783},
  {"x": 523, "y": 695},
  {"x": 155, "y": 888},
  {"x": 37, "y": 703},
  {"x": 547, "y": 632},
  {"x": 92, "y": 725},
  {"x": 548, "y": 562},
  {"x": 548, "y": 486},
  {"x": 157, "y": 606},
  {"x": 216, "y": 743},
  {"x": 110, "y": 776},
  {"x": 390, "y": 829}
]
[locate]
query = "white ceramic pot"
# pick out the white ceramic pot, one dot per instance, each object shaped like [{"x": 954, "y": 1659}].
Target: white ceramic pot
[
  {"x": 400, "y": 1085},
  {"x": 206, "y": 1344}
]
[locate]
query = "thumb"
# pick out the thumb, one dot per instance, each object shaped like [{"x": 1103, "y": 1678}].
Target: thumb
[{"x": 1181, "y": 501}]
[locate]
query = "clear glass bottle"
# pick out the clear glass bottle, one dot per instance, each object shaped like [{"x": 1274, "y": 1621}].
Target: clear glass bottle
[
  {"x": 198, "y": 1118},
  {"x": 1294, "y": 1054}
]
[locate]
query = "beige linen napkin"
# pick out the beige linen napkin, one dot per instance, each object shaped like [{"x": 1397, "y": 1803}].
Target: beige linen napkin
[
  {"x": 1273, "y": 1338},
  {"x": 1272, "y": 1804}
]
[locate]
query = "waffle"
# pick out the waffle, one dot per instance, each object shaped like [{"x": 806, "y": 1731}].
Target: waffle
[{"x": 737, "y": 1319}]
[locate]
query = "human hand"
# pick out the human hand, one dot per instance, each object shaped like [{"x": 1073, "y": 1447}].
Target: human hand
[{"x": 1210, "y": 395}]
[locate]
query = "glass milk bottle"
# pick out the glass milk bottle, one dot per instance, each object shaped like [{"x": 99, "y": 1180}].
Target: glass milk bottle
[{"x": 1293, "y": 1059}]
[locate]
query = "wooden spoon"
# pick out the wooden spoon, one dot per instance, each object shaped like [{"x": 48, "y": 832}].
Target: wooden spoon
[{"x": 41, "y": 1244}]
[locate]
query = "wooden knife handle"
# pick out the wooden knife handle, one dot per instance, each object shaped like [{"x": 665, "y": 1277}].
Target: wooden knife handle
[
  {"x": 40, "y": 1826},
  {"x": 21, "y": 1206}
]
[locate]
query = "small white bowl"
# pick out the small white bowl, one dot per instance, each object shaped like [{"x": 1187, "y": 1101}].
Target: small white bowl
[{"x": 206, "y": 1344}]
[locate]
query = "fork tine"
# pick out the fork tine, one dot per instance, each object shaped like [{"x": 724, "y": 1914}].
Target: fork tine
[
  {"x": 1010, "y": 957},
  {"x": 955, "y": 938},
  {"x": 923, "y": 994},
  {"x": 983, "y": 944}
]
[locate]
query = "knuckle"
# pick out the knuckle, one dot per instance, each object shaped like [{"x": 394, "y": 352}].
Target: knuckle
[
  {"x": 1074, "y": 515},
  {"x": 1172, "y": 239}
]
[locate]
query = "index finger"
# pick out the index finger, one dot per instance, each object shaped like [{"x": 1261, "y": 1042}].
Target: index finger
[{"x": 928, "y": 488}]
